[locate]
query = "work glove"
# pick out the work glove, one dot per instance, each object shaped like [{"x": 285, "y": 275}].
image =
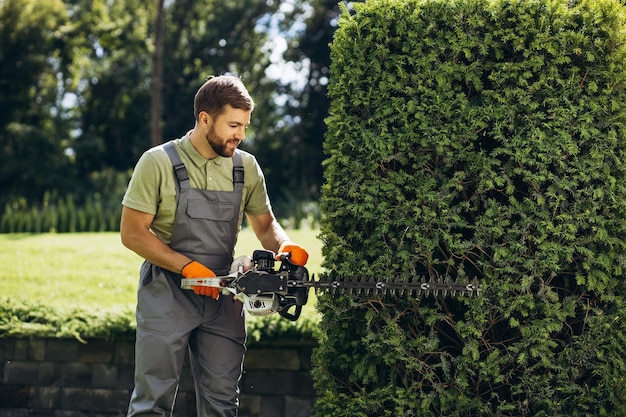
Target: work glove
[
  {"x": 195, "y": 269},
  {"x": 245, "y": 262},
  {"x": 298, "y": 255}
]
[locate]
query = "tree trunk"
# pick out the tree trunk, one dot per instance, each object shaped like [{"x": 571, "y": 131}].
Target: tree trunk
[{"x": 157, "y": 76}]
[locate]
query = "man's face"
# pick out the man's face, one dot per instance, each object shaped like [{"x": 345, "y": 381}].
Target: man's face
[{"x": 227, "y": 131}]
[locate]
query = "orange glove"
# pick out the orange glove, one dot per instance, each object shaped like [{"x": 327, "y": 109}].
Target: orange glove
[
  {"x": 299, "y": 256},
  {"x": 195, "y": 269}
]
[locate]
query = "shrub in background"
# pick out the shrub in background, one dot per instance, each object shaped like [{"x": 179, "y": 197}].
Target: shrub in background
[
  {"x": 477, "y": 138},
  {"x": 62, "y": 215},
  {"x": 97, "y": 209},
  {"x": 24, "y": 318}
]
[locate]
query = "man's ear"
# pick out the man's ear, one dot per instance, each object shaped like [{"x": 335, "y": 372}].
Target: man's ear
[{"x": 205, "y": 119}]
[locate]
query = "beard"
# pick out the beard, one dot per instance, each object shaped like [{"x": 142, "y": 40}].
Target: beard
[{"x": 220, "y": 145}]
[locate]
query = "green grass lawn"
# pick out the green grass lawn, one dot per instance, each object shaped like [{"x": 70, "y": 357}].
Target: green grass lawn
[{"x": 94, "y": 270}]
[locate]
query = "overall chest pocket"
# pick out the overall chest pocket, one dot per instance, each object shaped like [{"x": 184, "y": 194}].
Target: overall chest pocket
[{"x": 210, "y": 210}]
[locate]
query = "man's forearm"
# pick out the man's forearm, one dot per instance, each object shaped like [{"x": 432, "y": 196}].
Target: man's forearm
[
  {"x": 152, "y": 249},
  {"x": 274, "y": 237},
  {"x": 268, "y": 231}
]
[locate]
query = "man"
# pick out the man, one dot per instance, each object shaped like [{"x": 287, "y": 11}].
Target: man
[{"x": 182, "y": 212}]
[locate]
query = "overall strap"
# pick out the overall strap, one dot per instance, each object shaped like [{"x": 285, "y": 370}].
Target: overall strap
[
  {"x": 183, "y": 177},
  {"x": 179, "y": 168},
  {"x": 237, "y": 182},
  {"x": 237, "y": 172}
]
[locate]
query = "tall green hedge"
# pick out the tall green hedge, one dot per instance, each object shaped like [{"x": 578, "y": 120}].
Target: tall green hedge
[
  {"x": 62, "y": 215},
  {"x": 486, "y": 139},
  {"x": 96, "y": 207}
]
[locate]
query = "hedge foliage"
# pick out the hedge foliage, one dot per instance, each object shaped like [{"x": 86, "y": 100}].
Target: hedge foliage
[
  {"x": 61, "y": 215},
  {"x": 22, "y": 318},
  {"x": 96, "y": 209},
  {"x": 477, "y": 138}
]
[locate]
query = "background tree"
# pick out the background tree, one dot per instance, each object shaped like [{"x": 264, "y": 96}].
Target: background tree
[
  {"x": 90, "y": 114},
  {"x": 212, "y": 38},
  {"x": 287, "y": 125},
  {"x": 296, "y": 139},
  {"x": 32, "y": 124},
  {"x": 156, "y": 95},
  {"x": 113, "y": 95},
  {"x": 477, "y": 139},
  {"x": 218, "y": 38}
]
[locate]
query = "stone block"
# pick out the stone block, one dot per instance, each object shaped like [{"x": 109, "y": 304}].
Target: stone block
[
  {"x": 294, "y": 383},
  {"x": 272, "y": 406},
  {"x": 37, "y": 349},
  {"x": 14, "y": 396},
  {"x": 14, "y": 412},
  {"x": 21, "y": 373},
  {"x": 126, "y": 376},
  {"x": 104, "y": 376},
  {"x": 272, "y": 359},
  {"x": 185, "y": 404},
  {"x": 96, "y": 351},
  {"x": 20, "y": 350},
  {"x": 305, "y": 353},
  {"x": 277, "y": 382},
  {"x": 258, "y": 382},
  {"x": 50, "y": 374},
  {"x": 124, "y": 352},
  {"x": 47, "y": 398},
  {"x": 249, "y": 405},
  {"x": 7, "y": 349},
  {"x": 94, "y": 401},
  {"x": 66, "y": 413},
  {"x": 298, "y": 406},
  {"x": 77, "y": 374},
  {"x": 62, "y": 350},
  {"x": 67, "y": 378}
]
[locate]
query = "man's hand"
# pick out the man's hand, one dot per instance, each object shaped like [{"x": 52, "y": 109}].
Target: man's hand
[
  {"x": 195, "y": 269},
  {"x": 244, "y": 262},
  {"x": 299, "y": 255}
]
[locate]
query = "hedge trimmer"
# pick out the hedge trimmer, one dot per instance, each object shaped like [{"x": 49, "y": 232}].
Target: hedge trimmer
[{"x": 265, "y": 290}]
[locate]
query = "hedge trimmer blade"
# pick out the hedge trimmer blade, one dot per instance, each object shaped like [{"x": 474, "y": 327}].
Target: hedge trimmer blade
[
  {"x": 251, "y": 283},
  {"x": 265, "y": 290},
  {"x": 412, "y": 286}
]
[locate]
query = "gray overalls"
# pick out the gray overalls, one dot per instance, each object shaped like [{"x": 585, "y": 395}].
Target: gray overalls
[{"x": 171, "y": 320}]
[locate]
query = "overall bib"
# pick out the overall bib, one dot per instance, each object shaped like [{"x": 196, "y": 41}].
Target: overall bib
[{"x": 171, "y": 320}]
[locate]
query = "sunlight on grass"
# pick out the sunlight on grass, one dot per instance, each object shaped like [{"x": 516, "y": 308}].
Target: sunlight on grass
[
  {"x": 94, "y": 270},
  {"x": 86, "y": 270}
]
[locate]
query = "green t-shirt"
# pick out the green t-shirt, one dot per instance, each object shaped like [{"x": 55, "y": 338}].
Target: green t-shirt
[{"x": 152, "y": 187}]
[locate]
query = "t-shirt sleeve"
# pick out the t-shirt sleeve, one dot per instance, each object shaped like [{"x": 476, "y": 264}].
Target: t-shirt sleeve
[
  {"x": 257, "y": 201},
  {"x": 143, "y": 192}
]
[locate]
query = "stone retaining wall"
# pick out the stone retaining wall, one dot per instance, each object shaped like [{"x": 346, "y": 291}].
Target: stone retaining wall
[{"x": 67, "y": 378}]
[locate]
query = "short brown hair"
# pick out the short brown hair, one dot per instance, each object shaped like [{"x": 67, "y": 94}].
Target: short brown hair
[{"x": 217, "y": 92}]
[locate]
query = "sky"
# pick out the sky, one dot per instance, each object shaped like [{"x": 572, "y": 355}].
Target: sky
[{"x": 292, "y": 73}]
